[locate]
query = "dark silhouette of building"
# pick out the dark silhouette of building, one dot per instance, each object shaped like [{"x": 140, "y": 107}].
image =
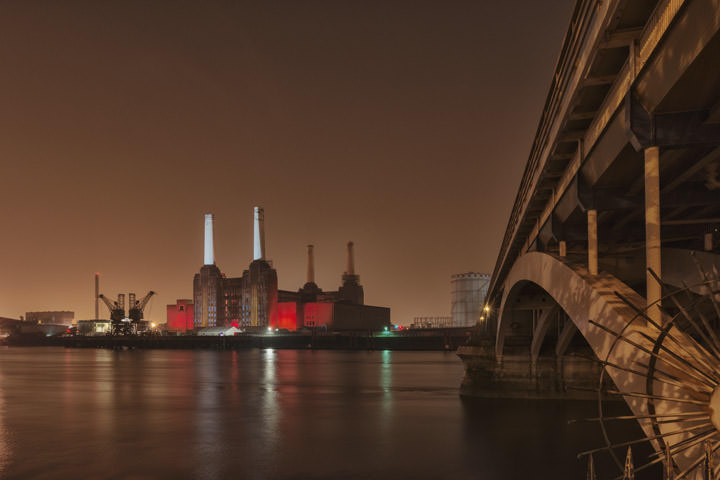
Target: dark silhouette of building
[{"x": 344, "y": 309}]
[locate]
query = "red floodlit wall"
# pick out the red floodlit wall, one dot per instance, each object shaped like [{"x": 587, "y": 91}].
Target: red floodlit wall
[
  {"x": 286, "y": 316},
  {"x": 180, "y": 316},
  {"x": 317, "y": 314}
]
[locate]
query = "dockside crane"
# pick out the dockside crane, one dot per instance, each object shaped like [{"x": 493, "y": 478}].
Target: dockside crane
[
  {"x": 130, "y": 324},
  {"x": 137, "y": 307},
  {"x": 117, "y": 314}
]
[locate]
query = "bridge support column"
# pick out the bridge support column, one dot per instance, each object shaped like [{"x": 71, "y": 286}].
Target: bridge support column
[
  {"x": 540, "y": 331},
  {"x": 592, "y": 242},
  {"x": 652, "y": 230},
  {"x": 562, "y": 247},
  {"x": 566, "y": 336}
]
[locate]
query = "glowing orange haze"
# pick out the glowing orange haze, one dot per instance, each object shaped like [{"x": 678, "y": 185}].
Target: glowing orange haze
[{"x": 401, "y": 125}]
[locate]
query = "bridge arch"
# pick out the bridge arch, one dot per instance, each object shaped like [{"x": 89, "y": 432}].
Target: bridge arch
[
  {"x": 582, "y": 296},
  {"x": 586, "y": 297}
]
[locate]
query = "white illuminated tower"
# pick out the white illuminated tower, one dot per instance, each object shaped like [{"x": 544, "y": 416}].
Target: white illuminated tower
[
  {"x": 259, "y": 234},
  {"x": 208, "y": 284},
  {"x": 209, "y": 242}
]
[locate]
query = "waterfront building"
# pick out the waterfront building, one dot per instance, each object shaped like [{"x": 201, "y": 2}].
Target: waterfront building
[
  {"x": 180, "y": 316},
  {"x": 207, "y": 284},
  {"x": 468, "y": 292},
  {"x": 344, "y": 309},
  {"x": 50, "y": 318},
  {"x": 253, "y": 301},
  {"x": 218, "y": 331},
  {"x": 8, "y": 325},
  {"x": 259, "y": 283},
  {"x": 94, "y": 327}
]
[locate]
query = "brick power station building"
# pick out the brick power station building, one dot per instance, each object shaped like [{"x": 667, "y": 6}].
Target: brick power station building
[{"x": 254, "y": 302}]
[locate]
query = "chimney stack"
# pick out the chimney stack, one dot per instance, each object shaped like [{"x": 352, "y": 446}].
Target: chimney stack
[
  {"x": 310, "y": 265},
  {"x": 209, "y": 241},
  {"x": 97, "y": 296},
  {"x": 259, "y": 237},
  {"x": 350, "y": 268}
]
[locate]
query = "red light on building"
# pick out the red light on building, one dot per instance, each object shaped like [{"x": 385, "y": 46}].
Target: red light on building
[
  {"x": 180, "y": 316},
  {"x": 318, "y": 314},
  {"x": 286, "y": 316}
]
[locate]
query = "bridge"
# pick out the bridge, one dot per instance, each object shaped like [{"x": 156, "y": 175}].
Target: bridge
[{"x": 605, "y": 280}]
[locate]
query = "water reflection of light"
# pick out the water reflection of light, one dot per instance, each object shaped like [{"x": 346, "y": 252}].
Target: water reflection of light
[
  {"x": 68, "y": 387},
  {"x": 234, "y": 378},
  {"x": 103, "y": 388},
  {"x": 386, "y": 379},
  {"x": 270, "y": 410},
  {"x": 207, "y": 418},
  {"x": 4, "y": 443},
  {"x": 386, "y": 371}
]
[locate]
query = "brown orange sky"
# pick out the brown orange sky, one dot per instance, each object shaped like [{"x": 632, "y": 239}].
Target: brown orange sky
[{"x": 401, "y": 125}]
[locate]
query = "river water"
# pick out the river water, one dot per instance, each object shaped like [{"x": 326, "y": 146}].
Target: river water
[{"x": 264, "y": 414}]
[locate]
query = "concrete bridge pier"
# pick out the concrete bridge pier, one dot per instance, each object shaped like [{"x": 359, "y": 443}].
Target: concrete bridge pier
[{"x": 653, "y": 256}]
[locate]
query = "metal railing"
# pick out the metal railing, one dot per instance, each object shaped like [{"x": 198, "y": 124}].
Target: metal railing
[{"x": 432, "y": 322}]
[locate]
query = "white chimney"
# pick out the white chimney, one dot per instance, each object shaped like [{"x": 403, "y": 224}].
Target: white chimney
[
  {"x": 259, "y": 237},
  {"x": 310, "y": 265},
  {"x": 209, "y": 243}
]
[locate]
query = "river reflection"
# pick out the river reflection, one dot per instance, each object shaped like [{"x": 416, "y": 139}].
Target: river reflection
[
  {"x": 4, "y": 443},
  {"x": 261, "y": 414}
]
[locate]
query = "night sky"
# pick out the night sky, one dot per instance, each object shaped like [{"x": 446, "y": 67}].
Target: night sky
[{"x": 401, "y": 125}]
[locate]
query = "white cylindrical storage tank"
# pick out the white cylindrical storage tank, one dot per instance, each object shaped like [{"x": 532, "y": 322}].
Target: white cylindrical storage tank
[{"x": 468, "y": 291}]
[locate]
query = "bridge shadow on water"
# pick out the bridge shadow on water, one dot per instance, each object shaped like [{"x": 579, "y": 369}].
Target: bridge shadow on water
[{"x": 523, "y": 439}]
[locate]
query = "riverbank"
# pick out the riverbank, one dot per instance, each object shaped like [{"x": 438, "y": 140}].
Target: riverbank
[{"x": 425, "y": 340}]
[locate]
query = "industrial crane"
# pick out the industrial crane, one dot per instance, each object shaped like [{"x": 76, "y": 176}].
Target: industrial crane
[
  {"x": 138, "y": 306},
  {"x": 122, "y": 325},
  {"x": 117, "y": 314}
]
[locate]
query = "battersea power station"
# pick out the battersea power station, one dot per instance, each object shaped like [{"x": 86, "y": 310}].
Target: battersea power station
[{"x": 253, "y": 301}]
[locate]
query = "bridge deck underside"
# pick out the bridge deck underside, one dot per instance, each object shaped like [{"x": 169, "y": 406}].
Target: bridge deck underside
[{"x": 662, "y": 56}]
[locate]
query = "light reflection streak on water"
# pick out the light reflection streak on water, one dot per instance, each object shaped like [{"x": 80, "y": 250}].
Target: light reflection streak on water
[
  {"x": 103, "y": 388},
  {"x": 386, "y": 379},
  {"x": 207, "y": 422},
  {"x": 68, "y": 386},
  {"x": 4, "y": 441},
  {"x": 234, "y": 378},
  {"x": 270, "y": 409},
  {"x": 330, "y": 415}
]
